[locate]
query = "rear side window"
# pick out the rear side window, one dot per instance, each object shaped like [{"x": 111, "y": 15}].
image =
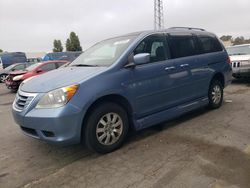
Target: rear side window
[
  {"x": 156, "y": 46},
  {"x": 49, "y": 67},
  {"x": 209, "y": 44},
  {"x": 183, "y": 46}
]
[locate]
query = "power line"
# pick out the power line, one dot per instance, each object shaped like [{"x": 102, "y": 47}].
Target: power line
[{"x": 158, "y": 15}]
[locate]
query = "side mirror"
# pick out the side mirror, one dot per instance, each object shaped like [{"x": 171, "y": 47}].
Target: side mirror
[
  {"x": 138, "y": 59},
  {"x": 39, "y": 71},
  {"x": 142, "y": 58}
]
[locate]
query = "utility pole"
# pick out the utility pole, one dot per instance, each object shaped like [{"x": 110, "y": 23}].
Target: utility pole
[{"x": 158, "y": 15}]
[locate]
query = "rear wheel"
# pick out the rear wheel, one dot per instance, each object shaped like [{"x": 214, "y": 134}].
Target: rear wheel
[
  {"x": 215, "y": 94},
  {"x": 106, "y": 128}
]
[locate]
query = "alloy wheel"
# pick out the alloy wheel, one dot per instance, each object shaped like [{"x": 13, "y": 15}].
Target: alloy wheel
[
  {"x": 109, "y": 129},
  {"x": 216, "y": 94},
  {"x": 3, "y": 78}
]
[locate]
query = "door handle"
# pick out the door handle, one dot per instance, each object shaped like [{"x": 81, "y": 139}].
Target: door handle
[
  {"x": 184, "y": 65},
  {"x": 169, "y": 68}
]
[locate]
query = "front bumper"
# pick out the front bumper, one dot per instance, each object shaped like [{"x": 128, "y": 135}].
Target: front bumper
[
  {"x": 12, "y": 84},
  {"x": 61, "y": 126},
  {"x": 241, "y": 72}
]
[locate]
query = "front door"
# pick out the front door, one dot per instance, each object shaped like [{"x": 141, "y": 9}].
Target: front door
[{"x": 151, "y": 86}]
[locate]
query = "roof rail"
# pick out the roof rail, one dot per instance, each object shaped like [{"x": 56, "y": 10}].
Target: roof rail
[{"x": 189, "y": 28}]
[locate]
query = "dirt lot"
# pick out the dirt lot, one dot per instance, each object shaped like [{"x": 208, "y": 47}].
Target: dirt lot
[{"x": 201, "y": 149}]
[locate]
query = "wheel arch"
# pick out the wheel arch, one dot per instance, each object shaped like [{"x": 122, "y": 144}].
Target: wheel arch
[
  {"x": 116, "y": 98},
  {"x": 218, "y": 76}
]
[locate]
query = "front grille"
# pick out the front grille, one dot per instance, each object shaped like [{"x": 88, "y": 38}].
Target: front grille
[
  {"x": 23, "y": 100},
  {"x": 245, "y": 64},
  {"x": 236, "y": 64}
]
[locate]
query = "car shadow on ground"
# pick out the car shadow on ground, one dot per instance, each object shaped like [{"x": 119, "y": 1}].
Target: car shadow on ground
[
  {"x": 242, "y": 81},
  {"x": 142, "y": 134}
]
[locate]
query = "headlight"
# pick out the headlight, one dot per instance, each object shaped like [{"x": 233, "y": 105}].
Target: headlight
[
  {"x": 57, "y": 98},
  {"x": 16, "y": 78}
]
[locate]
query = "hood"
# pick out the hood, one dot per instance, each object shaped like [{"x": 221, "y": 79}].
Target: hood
[
  {"x": 18, "y": 72},
  {"x": 59, "y": 78},
  {"x": 240, "y": 57},
  {"x": 2, "y": 71}
]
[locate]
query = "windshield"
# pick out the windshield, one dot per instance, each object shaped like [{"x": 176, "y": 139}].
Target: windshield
[
  {"x": 104, "y": 53},
  {"x": 10, "y": 67},
  {"x": 32, "y": 67},
  {"x": 239, "y": 50}
]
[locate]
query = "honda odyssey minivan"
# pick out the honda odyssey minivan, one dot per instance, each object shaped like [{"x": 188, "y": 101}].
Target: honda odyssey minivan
[{"x": 129, "y": 82}]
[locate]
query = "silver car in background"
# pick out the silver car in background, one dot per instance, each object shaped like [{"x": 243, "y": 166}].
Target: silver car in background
[{"x": 240, "y": 57}]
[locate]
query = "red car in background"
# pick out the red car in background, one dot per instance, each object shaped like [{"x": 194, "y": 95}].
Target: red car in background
[{"x": 15, "y": 78}]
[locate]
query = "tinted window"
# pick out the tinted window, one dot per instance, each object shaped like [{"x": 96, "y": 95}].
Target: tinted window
[
  {"x": 48, "y": 67},
  {"x": 210, "y": 44},
  {"x": 183, "y": 46},
  {"x": 156, "y": 46}
]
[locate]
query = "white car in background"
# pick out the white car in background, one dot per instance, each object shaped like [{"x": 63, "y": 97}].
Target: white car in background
[{"x": 240, "y": 58}]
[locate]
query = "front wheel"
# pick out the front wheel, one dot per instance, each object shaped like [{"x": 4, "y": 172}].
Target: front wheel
[
  {"x": 215, "y": 94},
  {"x": 106, "y": 128},
  {"x": 3, "y": 78}
]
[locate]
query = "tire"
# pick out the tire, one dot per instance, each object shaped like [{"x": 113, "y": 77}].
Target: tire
[
  {"x": 215, "y": 94},
  {"x": 3, "y": 77},
  {"x": 106, "y": 128}
]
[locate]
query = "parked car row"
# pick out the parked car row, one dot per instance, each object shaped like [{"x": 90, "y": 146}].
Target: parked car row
[
  {"x": 14, "y": 67},
  {"x": 129, "y": 82},
  {"x": 10, "y": 58},
  {"x": 17, "y": 76}
]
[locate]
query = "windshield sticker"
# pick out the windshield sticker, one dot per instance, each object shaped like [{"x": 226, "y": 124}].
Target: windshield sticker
[{"x": 122, "y": 42}]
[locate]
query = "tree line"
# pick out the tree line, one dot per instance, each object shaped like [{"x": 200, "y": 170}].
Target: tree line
[
  {"x": 72, "y": 44},
  {"x": 235, "y": 41}
]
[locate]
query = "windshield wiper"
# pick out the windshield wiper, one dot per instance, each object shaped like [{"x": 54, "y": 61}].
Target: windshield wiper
[{"x": 83, "y": 65}]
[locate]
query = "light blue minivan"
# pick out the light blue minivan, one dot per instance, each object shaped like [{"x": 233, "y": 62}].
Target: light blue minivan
[{"x": 129, "y": 82}]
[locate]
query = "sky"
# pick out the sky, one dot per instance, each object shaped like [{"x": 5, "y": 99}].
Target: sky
[{"x": 32, "y": 25}]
